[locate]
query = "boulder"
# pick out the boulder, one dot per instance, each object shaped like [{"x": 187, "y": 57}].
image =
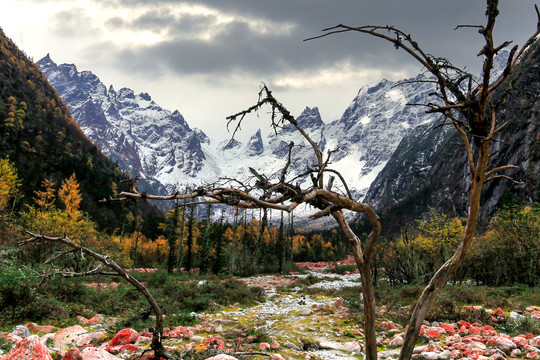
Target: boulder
[
  {"x": 33, "y": 327},
  {"x": 96, "y": 319},
  {"x": 515, "y": 353},
  {"x": 92, "y": 353},
  {"x": 11, "y": 338},
  {"x": 68, "y": 337},
  {"x": 397, "y": 341},
  {"x": 535, "y": 342},
  {"x": 21, "y": 330},
  {"x": 429, "y": 355},
  {"x": 529, "y": 348},
  {"x": 454, "y": 339},
  {"x": 503, "y": 344},
  {"x": 449, "y": 328},
  {"x": 222, "y": 357},
  {"x": 291, "y": 345},
  {"x": 125, "y": 336},
  {"x": 445, "y": 355},
  {"x": 46, "y": 329},
  {"x": 520, "y": 340},
  {"x": 28, "y": 349},
  {"x": 306, "y": 312},
  {"x": 386, "y": 325},
  {"x": 72, "y": 354},
  {"x": 433, "y": 347}
]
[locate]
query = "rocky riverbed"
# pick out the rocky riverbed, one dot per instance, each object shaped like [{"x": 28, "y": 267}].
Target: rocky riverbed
[{"x": 291, "y": 324}]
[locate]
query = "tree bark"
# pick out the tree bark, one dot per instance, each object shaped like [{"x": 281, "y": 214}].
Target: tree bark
[{"x": 443, "y": 274}]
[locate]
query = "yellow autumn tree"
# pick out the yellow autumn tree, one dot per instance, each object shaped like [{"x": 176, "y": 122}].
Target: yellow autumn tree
[
  {"x": 45, "y": 198},
  {"x": 8, "y": 182},
  {"x": 70, "y": 195}
]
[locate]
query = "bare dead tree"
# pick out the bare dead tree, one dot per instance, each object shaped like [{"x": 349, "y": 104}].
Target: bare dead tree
[
  {"x": 156, "y": 345},
  {"x": 469, "y": 107},
  {"x": 286, "y": 194}
]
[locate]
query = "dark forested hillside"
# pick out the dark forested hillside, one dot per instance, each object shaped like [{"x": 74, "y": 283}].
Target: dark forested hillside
[
  {"x": 39, "y": 136},
  {"x": 429, "y": 168}
]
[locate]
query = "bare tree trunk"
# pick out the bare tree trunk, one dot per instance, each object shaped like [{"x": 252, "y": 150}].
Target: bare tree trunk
[
  {"x": 363, "y": 263},
  {"x": 443, "y": 274}
]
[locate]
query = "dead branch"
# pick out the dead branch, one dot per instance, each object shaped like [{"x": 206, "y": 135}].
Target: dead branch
[{"x": 157, "y": 346}]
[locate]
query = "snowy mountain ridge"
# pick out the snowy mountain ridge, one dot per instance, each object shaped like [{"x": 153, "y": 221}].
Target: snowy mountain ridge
[{"x": 159, "y": 146}]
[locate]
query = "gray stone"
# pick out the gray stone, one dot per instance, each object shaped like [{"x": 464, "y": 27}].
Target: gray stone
[
  {"x": 290, "y": 345},
  {"x": 306, "y": 312},
  {"x": 445, "y": 355},
  {"x": 22, "y": 331}
]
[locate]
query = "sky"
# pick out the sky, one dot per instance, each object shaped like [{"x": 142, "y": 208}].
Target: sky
[{"x": 208, "y": 58}]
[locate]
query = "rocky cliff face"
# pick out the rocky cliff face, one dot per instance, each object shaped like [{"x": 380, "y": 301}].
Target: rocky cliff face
[
  {"x": 159, "y": 145},
  {"x": 428, "y": 170},
  {"x": 131, "y": 129}
]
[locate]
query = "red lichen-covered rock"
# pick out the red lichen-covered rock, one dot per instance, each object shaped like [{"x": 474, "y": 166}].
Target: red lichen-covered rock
[
  {"x": 72, "y": 354},
  {"x": 463, "y": 330},
  {"x": 179, "y": 332},
  {"x": 456, "y": 354},
  {"x": 32, "y": 327},
  {"x": 68, "y": 337},
  {"x": 92, "y": 353},
  {"x": 533, "y": 355},
  {"x": 464, "y": 323},
  {"x": 11, "y": 338},
  {"x": 475, "y": 330},
  {"x": 29, "y": 349},
  {"x": 264, "y": 346},
  {"x": 520, "y": 340},
  {"x": 529, "y": 348},
  {"x": 515, "y": 353},
  {"x": 397, "y": 341},
  {"x": 473, "y": 353},
  {"x": 454, "y": 339},
  {"x": 275, "y": 345},
  {"x": 535, "y": 341},
  {"x": 433, "y": 347},
  {"x": 386, "y": 325},
  {"x": 125, "y": 336},
  {"x": 499, "y": 312},
  {"x": 434, "y": 332},
  {"x": 473, "y": 338},
  {"x": 127, "y": 348},
  {"x": 276, "y": 357},
  {"x": 97, "y": 319},
  {"x": 450, "y": 329},
  {"x": 502, "y": 343},
  {"x": 46, "y": 329}
]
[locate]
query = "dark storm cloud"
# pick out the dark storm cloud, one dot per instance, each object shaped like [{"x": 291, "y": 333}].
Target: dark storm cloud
[{"x": 240, "y": 48}]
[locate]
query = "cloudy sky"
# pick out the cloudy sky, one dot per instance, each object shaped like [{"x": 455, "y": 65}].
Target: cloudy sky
[{"x": 207, "y": 58}]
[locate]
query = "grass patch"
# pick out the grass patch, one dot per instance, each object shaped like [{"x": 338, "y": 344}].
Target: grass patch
[{"x": 58, "y": 301}]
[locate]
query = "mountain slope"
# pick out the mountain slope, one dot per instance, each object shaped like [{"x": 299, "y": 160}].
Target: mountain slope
[
  {"x": 429, "y": 167},
  {"x": 39, "y": 136},
  {"x": 160, "y": 146},
  {"x": 131, "y": 129}
]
